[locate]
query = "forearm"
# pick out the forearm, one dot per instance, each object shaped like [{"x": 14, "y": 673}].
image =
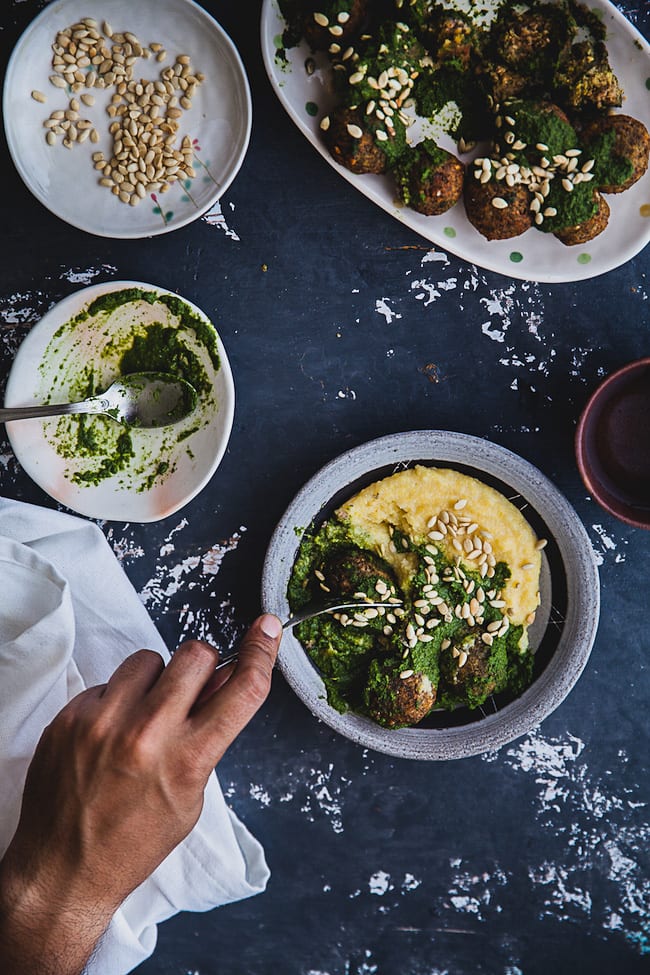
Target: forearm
[{"x": 45, "y": 935}]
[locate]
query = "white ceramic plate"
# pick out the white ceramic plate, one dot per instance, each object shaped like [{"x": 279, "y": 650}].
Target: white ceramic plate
[
  {"x": 65, "y": 181},
  {"x": 46, "y": 367},
  {"x": 569, "y": 592},
  {"x": 533, "y": 256}
]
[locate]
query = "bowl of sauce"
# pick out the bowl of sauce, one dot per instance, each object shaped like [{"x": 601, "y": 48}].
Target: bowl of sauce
[{"x": 613, "y": 444}]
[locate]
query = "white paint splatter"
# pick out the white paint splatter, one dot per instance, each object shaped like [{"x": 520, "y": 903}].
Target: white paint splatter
[
  {"x": 496, "y": 334},
  {"x": 215, "y": 624},
  {"x": 214, "y": 216},
  {"x": 513, "y": 428},
  {"x": 124, "y": 547},
  {"x": 87, "y": 275},
  {"x": 468, "y": 905},
  {"x": 382, "y": 307},
  {"x": 319, "y": 792},
  {"x": 598, "y": 822},
  {"x": 164, "y": 593},
  {"x": 563, "y": 900},
  {"x": 410, "y": 882},
  {"x": 534, "y": 320},
  {"x": 438, "y": 256},
  {"x": 473, "y": 893},
  {"x": 7, "y": 461},
  {"x": 607, "y": 541},
  {"x": 366, "y": 968},
  {"x": 17, "y": 309},
  {"x": 379, "y": 883},
  {"x": 550, "y": 762},
  {"x": 606, "y": 546},
  {"x": 578, "y": 359},
  {"x": 169, "y": 579},
  {"x": 325, "y": 795},
  {"x": 427, "y": 290},
  {"x": 260, "y": 794}
]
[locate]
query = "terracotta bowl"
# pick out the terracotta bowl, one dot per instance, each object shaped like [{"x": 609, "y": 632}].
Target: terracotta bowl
[{"x": 613, "y": 444}]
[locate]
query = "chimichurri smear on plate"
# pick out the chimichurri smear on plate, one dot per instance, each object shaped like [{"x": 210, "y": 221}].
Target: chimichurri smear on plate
[
  {"x": 446, "y": 641},
  {"x": 187, "y": 318},
  {"x": 161, "y": 349},
  {"x": 121, "y": 332}
]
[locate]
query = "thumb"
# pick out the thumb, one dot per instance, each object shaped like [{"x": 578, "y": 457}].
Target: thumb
[
  {"x": 221, "y": 717},
  {"x": 258, "y": 651}
]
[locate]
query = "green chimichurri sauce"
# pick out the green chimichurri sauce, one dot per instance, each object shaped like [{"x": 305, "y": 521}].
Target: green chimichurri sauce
[
  {"x": 162, "y": 349},
  {"x": 122, "y": 332},
  {"x": 367, "y": 657}
]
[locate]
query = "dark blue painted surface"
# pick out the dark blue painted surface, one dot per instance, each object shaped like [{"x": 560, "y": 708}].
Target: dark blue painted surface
[{"x": 530, "y": 860}]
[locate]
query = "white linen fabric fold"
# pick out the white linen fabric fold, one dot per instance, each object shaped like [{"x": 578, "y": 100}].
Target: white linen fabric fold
[{"x": 68, "y": 617}]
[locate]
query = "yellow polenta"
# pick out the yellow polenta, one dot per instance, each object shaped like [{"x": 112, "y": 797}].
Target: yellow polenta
[{"x": 472, "y": 524}]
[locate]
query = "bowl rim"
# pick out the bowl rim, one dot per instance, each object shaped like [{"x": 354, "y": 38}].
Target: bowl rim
[
  {"x": 583, "y": 593},
  {"x": 619, "y": 509}
]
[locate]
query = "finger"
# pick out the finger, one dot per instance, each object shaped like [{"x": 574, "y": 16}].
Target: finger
[
  {"x": 218, "y": 721},
  {"x": 134, "y": 677},
  {"x": 218, "y": 679},
  {"x": 183, "y": 679},
  {"x": 81, "y": 702}
]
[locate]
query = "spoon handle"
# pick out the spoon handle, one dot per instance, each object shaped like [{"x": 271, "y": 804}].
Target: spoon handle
[
  {"x": 309, "y": 611},
  {"x": 51, "y": 409},
  {"x": 230, "y": 659}
]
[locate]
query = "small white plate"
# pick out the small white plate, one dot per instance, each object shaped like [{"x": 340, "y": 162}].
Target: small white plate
[
  {"x": 65, "y": 181},
  {"x": 533, "y": 256},
  {"x": 569, "y": 588},
  {"x": 46, "y": 366}
]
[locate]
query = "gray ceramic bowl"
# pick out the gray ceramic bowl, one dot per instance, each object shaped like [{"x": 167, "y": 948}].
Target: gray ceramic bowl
[
  {"x": 569, "y": 587},
  {"x": 613, "y": 444}
]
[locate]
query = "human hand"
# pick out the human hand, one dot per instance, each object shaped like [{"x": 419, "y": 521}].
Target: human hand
[{"x": 115, "y": 784}]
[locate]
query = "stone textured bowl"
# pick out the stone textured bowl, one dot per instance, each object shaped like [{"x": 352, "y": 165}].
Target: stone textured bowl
[
  {"x": 613, "y": 444},
  {"x": 569, "y": 586}
]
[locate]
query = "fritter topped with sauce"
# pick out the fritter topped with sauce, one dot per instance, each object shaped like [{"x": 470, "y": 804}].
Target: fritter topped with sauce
[{"x": 429, "y": 179}]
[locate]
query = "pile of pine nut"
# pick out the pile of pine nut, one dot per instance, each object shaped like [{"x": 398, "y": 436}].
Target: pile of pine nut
[{"x": 145, "y": 114}]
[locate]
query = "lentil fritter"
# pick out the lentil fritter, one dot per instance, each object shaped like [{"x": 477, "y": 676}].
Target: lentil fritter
[
  {"x": 626, "y": 141},
  {"x": 429, "y": 179},
  {"x": 580, "y": 233},
  {"x": 536, "y": 75}
]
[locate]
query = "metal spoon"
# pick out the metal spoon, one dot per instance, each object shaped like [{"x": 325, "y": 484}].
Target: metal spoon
[
  {"x": 316, "y": 609},
  {"x": 140, "y": 399}
]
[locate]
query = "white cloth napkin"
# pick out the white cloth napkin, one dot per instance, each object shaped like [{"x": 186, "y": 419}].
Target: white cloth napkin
[{"x": 68, "y": 617}]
